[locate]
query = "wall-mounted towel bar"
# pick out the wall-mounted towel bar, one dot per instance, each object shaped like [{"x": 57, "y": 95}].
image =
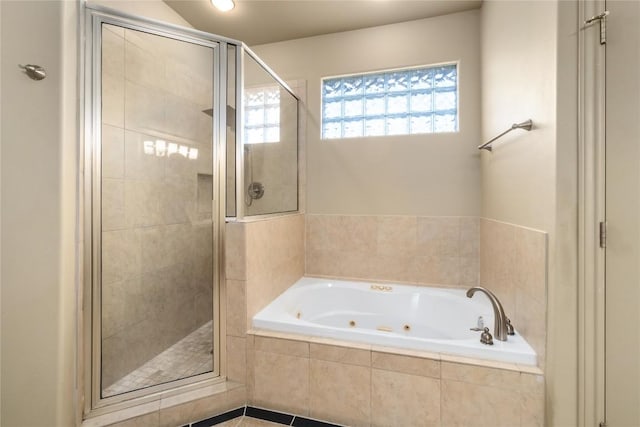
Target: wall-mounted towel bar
[{"x": 527, "y": 125}]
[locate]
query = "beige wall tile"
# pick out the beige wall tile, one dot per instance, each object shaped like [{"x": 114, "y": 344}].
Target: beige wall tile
[
  {"x": 530, "y": 263},
  {"x": 144, "y": 108},
  {"x": 481, "y": 375},
  {"x": 276, "y": 250},
  {"x": 426, "y": 250},
  {"x": 236, "y": 359},
  {"x": 281, "y": 382},
  {"x": 237, "y": 397},
  {"x": 143, "y": 203},
  {"x": 513, "y": 265},
  {"x": 437, "y": 270},
  {"x": 113, "y": 206},
  {"x": 404, "y": 400},
  {"x": 112, "y": 152},
  {"x": 236, "y": 308},
  {"x": 137, "y": 163},
  {"x": 407, "y": 364},
  {"x": 143, "y": 66},
  {"x": 122, "y": 305},
  {"x": 391, "y": 267},
  {"x": 281, "y": 346},
  {"x": 112, "y": 51},
  {"x": 332, "y": 353},
  {"x": 532, "y": 391},
  {"x": 235, "y": 251},
  {"x": 342, "y": 233},
  {"x": 530, "y": 322},
  {"x": 113, "y": 100},
  {"x": 250, "y": 367},
  {"x": 497, "y": 258},
  {"x": 466, "y": 404},
  {"x": 122, "y": 257},
  {"x": 397, "y": 235},
  {"x": 438, "y": 236},
  {"x": 340, "y": 393}
]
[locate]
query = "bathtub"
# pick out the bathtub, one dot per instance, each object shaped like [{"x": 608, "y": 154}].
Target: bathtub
[{"x": 422, "y": 318}]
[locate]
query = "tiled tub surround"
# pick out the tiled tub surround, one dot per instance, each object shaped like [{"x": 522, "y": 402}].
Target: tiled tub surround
[
  {"x": 461, "y": 252},
  {"x": 409, "y": 249},
  {"x": 513, "y": 264},
  {"x": 361, "y": 385},
  {"x": 156, "y": 222},
  {"x": 423, "y": 318},
  {"x": 263, "y": 258}
]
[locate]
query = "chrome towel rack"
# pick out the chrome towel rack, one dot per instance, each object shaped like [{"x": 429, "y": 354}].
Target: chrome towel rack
[{"x": 526, "y": 125}]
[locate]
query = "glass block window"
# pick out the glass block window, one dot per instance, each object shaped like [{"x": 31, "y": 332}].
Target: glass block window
[
  {"x": 262, "y": 115},
  {"x": 394, "y": 102}
]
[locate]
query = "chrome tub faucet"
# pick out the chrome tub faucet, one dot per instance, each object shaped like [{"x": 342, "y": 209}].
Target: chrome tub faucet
[{"x": 502, "y": 324}]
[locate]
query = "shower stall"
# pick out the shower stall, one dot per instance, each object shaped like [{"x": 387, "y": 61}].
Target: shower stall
[{"x": 184, "y": 130}]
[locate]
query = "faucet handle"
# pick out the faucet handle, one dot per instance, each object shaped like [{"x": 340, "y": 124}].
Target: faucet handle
[
  {"x": 510, "y": 330},
  {"x": 486, "y": 338}
]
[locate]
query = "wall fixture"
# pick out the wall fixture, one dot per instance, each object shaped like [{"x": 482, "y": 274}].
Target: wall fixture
[
  {"x": 526, "y": 125},
  {"x": 223, "y": 5},
  {"x": 35, "y": 72}
]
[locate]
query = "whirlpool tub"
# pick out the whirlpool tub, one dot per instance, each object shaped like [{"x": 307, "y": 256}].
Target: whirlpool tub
[{"x": 432, "y": 319}]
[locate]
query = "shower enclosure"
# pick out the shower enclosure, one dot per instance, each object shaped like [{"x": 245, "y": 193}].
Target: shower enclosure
[{"x": 165, "y": 165}]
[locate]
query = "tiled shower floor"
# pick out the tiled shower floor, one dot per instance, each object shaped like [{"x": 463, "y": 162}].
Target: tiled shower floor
[{"x": 189, "y": 356}]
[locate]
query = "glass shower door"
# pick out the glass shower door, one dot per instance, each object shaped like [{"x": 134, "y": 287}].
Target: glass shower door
[{"x": 156, "y": 178}]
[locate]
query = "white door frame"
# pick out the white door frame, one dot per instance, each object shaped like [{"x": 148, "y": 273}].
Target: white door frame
[{"x": 591, "y": 211}]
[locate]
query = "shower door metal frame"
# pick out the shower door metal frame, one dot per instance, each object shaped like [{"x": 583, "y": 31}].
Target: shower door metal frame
[
  {"x": 240, "y": 188},
  {"x": 90, "y": 299}
]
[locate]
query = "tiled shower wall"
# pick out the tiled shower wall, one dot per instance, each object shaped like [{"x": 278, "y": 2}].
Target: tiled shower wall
[
  {"x": 263, "y": 258},
  {"x": 157, "y": 249},
  {"x": 424, "y": 250},
  {"x": 513, "y": 264}
]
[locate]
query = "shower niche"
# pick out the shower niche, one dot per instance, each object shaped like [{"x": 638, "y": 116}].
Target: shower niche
[{"x": 166, "y": 165}]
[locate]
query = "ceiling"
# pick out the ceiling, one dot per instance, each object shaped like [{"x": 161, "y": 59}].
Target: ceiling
[{"x": 265, "y": 21}]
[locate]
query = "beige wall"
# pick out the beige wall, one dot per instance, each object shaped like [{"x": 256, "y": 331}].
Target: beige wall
[
  {"x": 423, "y": 175},
  {"x": 38, "y": 214},
  {"x": 519, "y": 83},
  {"x": 530, "y": 178}
]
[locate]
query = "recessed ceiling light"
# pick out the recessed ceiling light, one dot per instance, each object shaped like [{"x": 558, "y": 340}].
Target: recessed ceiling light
[{"x": 223, "y": 5}]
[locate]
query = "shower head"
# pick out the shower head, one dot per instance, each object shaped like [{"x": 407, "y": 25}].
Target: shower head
[{"x": 231, "y": 115}]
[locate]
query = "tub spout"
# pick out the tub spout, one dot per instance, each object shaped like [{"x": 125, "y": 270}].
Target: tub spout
[{"x": 500, "y": 330}]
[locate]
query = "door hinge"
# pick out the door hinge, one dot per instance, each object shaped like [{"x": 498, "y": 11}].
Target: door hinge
[
  {"x": 603, "y": 234},
  {"x": 602, "y": 19}
]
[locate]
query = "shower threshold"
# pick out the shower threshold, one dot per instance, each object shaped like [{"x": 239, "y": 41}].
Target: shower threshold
[{"x": 190, "y": 356}]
